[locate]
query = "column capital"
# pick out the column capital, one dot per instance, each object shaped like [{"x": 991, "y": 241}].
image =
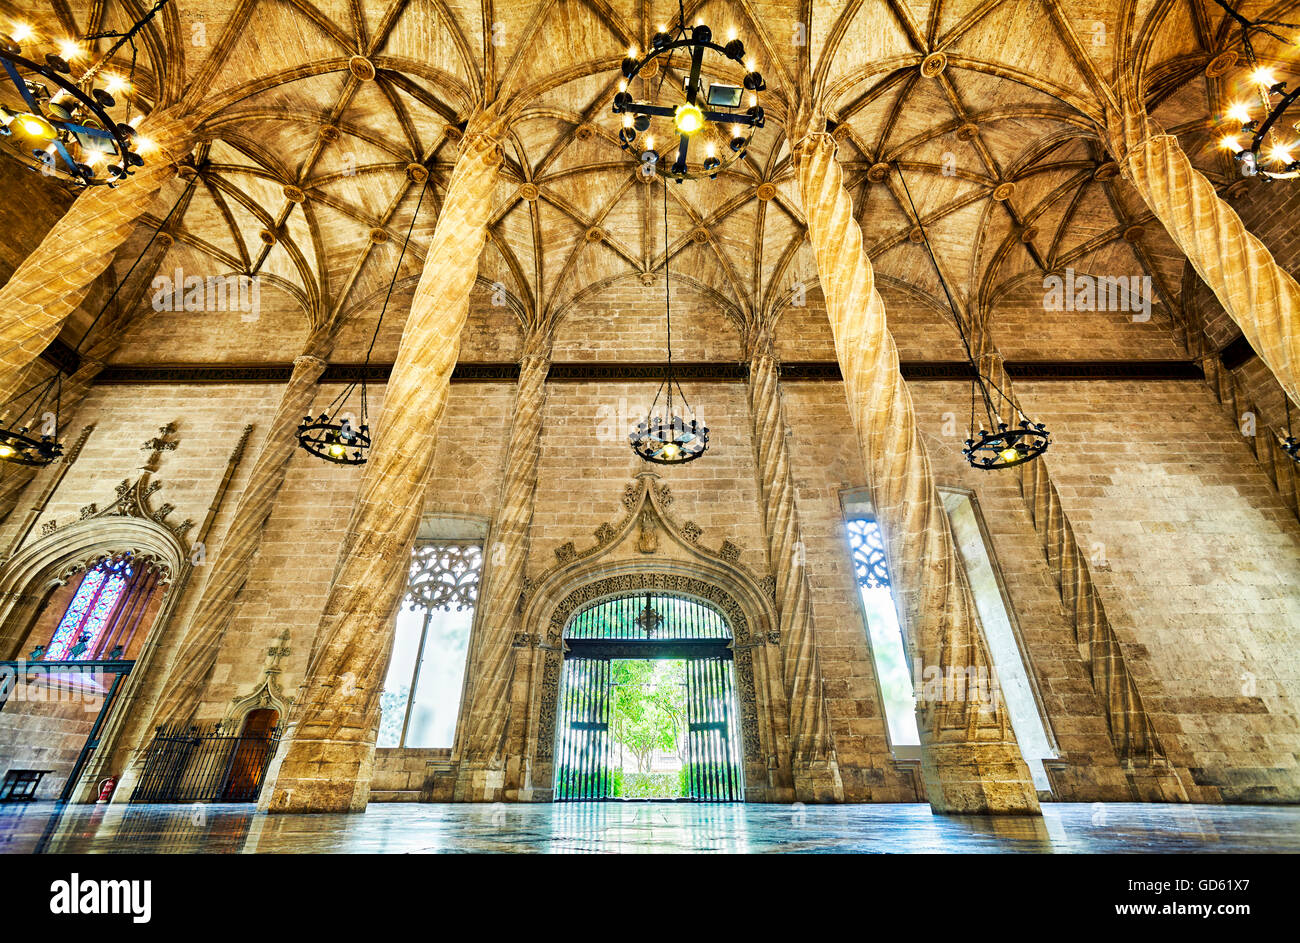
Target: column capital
[{"x": 309, "y": 361}]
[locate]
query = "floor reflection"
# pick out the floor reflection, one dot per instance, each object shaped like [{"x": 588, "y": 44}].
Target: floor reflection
[{"x": 645, "y": 828}]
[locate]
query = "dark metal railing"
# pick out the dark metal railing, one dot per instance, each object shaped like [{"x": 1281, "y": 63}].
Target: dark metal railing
[
  {"x": 203, "y": 764},
  {"x": 712, "y": 772}
]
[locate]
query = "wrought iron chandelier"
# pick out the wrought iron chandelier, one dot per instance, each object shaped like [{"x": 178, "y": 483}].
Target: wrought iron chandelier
[
  {"x": 1290, "y": 444},
  {"x": 31, "y": 437},
  {"x": 993, "y": 442},
  {"x": 675, "y": 441},
  {"x": 64, "y": 127},
  {"x": 711, "y": 109},
  {"x": 1267, "y": 151},
  {"x": 333, "y": 435}
]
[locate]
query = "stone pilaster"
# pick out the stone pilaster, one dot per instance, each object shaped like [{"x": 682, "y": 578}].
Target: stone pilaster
[
  {"x": 54, "y": 279},
  {"x": 325, "y": 760},
  {"x": 1136, "y": 744},
  {"x": 231, "y": 564},
  {"x": 813, "y": 765},
  {"x": 489, "y": 764},
  {"x": 1256, "y": 292},
  {"x": 970, "y": 760}
]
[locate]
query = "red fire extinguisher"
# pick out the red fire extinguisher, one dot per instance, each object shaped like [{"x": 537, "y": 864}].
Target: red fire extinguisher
[{"x": 106, "y": 788}]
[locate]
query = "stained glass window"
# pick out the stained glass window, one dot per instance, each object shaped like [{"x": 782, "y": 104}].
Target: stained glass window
[
  {"x": 867, "y": 546},
  {"x": 78, "y": 633},
  {"x": 420, "y": 702}
]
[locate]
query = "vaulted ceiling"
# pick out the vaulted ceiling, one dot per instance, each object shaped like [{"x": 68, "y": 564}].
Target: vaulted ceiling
[{"x": 1009, "y": 94}]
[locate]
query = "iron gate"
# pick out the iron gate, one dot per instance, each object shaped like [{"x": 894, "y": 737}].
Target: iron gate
[
  {"x": 202, "y": 764},
  {"x": 677, "y": 628}
]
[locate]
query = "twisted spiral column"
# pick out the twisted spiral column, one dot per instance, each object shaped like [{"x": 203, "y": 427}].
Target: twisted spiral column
[
  {"x": 230, "y": 567},
  {"x": 970, "y": 759},
  {"x": 325, "y": 760},
  {"x": 54, "y": 279},
  {"x": 1131, "y": 733},
  {"x": 15, "y": 478},
  {"x": 1258, "y": 294},
  {"x": 812, "y": 752},
  {"x": 493, "y": 662}
]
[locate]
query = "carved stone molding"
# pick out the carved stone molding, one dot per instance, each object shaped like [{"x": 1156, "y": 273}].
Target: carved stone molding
[{"x": 629, "y": 583}]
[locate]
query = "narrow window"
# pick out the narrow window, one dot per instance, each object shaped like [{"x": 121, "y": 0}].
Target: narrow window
[
  {"x": 893, "y": 673},
  {"x": 896, "y": 676},
  {"x": 1008, "y": 656},
  {"x": 420, "y": 703}
]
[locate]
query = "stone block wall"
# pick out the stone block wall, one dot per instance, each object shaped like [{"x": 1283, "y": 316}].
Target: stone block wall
[{"x": 1198, "y": 557}]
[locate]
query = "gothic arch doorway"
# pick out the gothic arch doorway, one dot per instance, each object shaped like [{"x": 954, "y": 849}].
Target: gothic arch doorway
[{"x": 647, "y": 702}]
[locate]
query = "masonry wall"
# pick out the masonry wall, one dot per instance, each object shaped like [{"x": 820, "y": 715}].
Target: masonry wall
[{"x": 1199, "y": 559}]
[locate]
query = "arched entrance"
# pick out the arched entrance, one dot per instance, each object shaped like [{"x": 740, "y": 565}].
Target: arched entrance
[{"x": 647, "y": 704}]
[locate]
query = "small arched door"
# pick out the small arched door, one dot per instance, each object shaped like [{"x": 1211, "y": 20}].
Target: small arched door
[
  {"x": 249, "y": 757},
  {"x": 647, "y": 706}
]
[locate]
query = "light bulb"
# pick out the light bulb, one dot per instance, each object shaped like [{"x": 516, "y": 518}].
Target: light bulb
[
  {"x": 753, "y": 100},
  {"x": 1280, "y": 153},
  {"x": 337, "y": 451},
  {"x": 622, "y": 85},
  {"x": 1263, "y": 76},
  {"x": 115, "y": 83},
  {"x": 631, "y": 52},
  {"x": 143, "y": 145},
  {"x": 1239, "y": 113},
  {"x": 1009, "y": 455},
  {"x": 627, "y": 121},
  {"x": 688, "y": 119},
  {"x": 22, "y": 32},
  {"x": 649, "y": 142},
  {"x": 69, "y": 50},
  {"x": 710, "y": 150},
  {"x": 1229, "y": 142},
  {"x": 731, "y": 33}
]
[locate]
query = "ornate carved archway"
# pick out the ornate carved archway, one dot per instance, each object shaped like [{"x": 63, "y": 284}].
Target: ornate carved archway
[{"x": 647, "y": 550}]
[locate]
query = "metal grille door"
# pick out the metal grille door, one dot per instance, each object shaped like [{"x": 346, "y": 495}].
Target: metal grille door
[
  {"x": 713, "y": 774},
  {"x": 582, "y": 771},
  {"x": 645, "y": 627}
]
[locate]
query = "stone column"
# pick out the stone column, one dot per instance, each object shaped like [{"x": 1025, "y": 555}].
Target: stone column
[
  {"x": 813, "y": 763},
  {"x": 489, "y": 762},
  {"x": 1136, "y": 744},
  {"x": 325, "y": 761},
  {"x": 1258, "y": 294},
  {"x": 229, "y": 567},
  {"x": 54, "y": 279},
  {"x": 970, "y": 760}
]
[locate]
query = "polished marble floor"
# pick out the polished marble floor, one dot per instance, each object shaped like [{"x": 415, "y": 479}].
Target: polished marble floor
[{"x": 647, "y": 828}]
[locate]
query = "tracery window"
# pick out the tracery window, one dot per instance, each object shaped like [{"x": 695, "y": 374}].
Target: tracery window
[
  {"x": 888, "y": 651},
  {"x": 420, "y": 702},
  {"x": 105, "y": 612}
]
